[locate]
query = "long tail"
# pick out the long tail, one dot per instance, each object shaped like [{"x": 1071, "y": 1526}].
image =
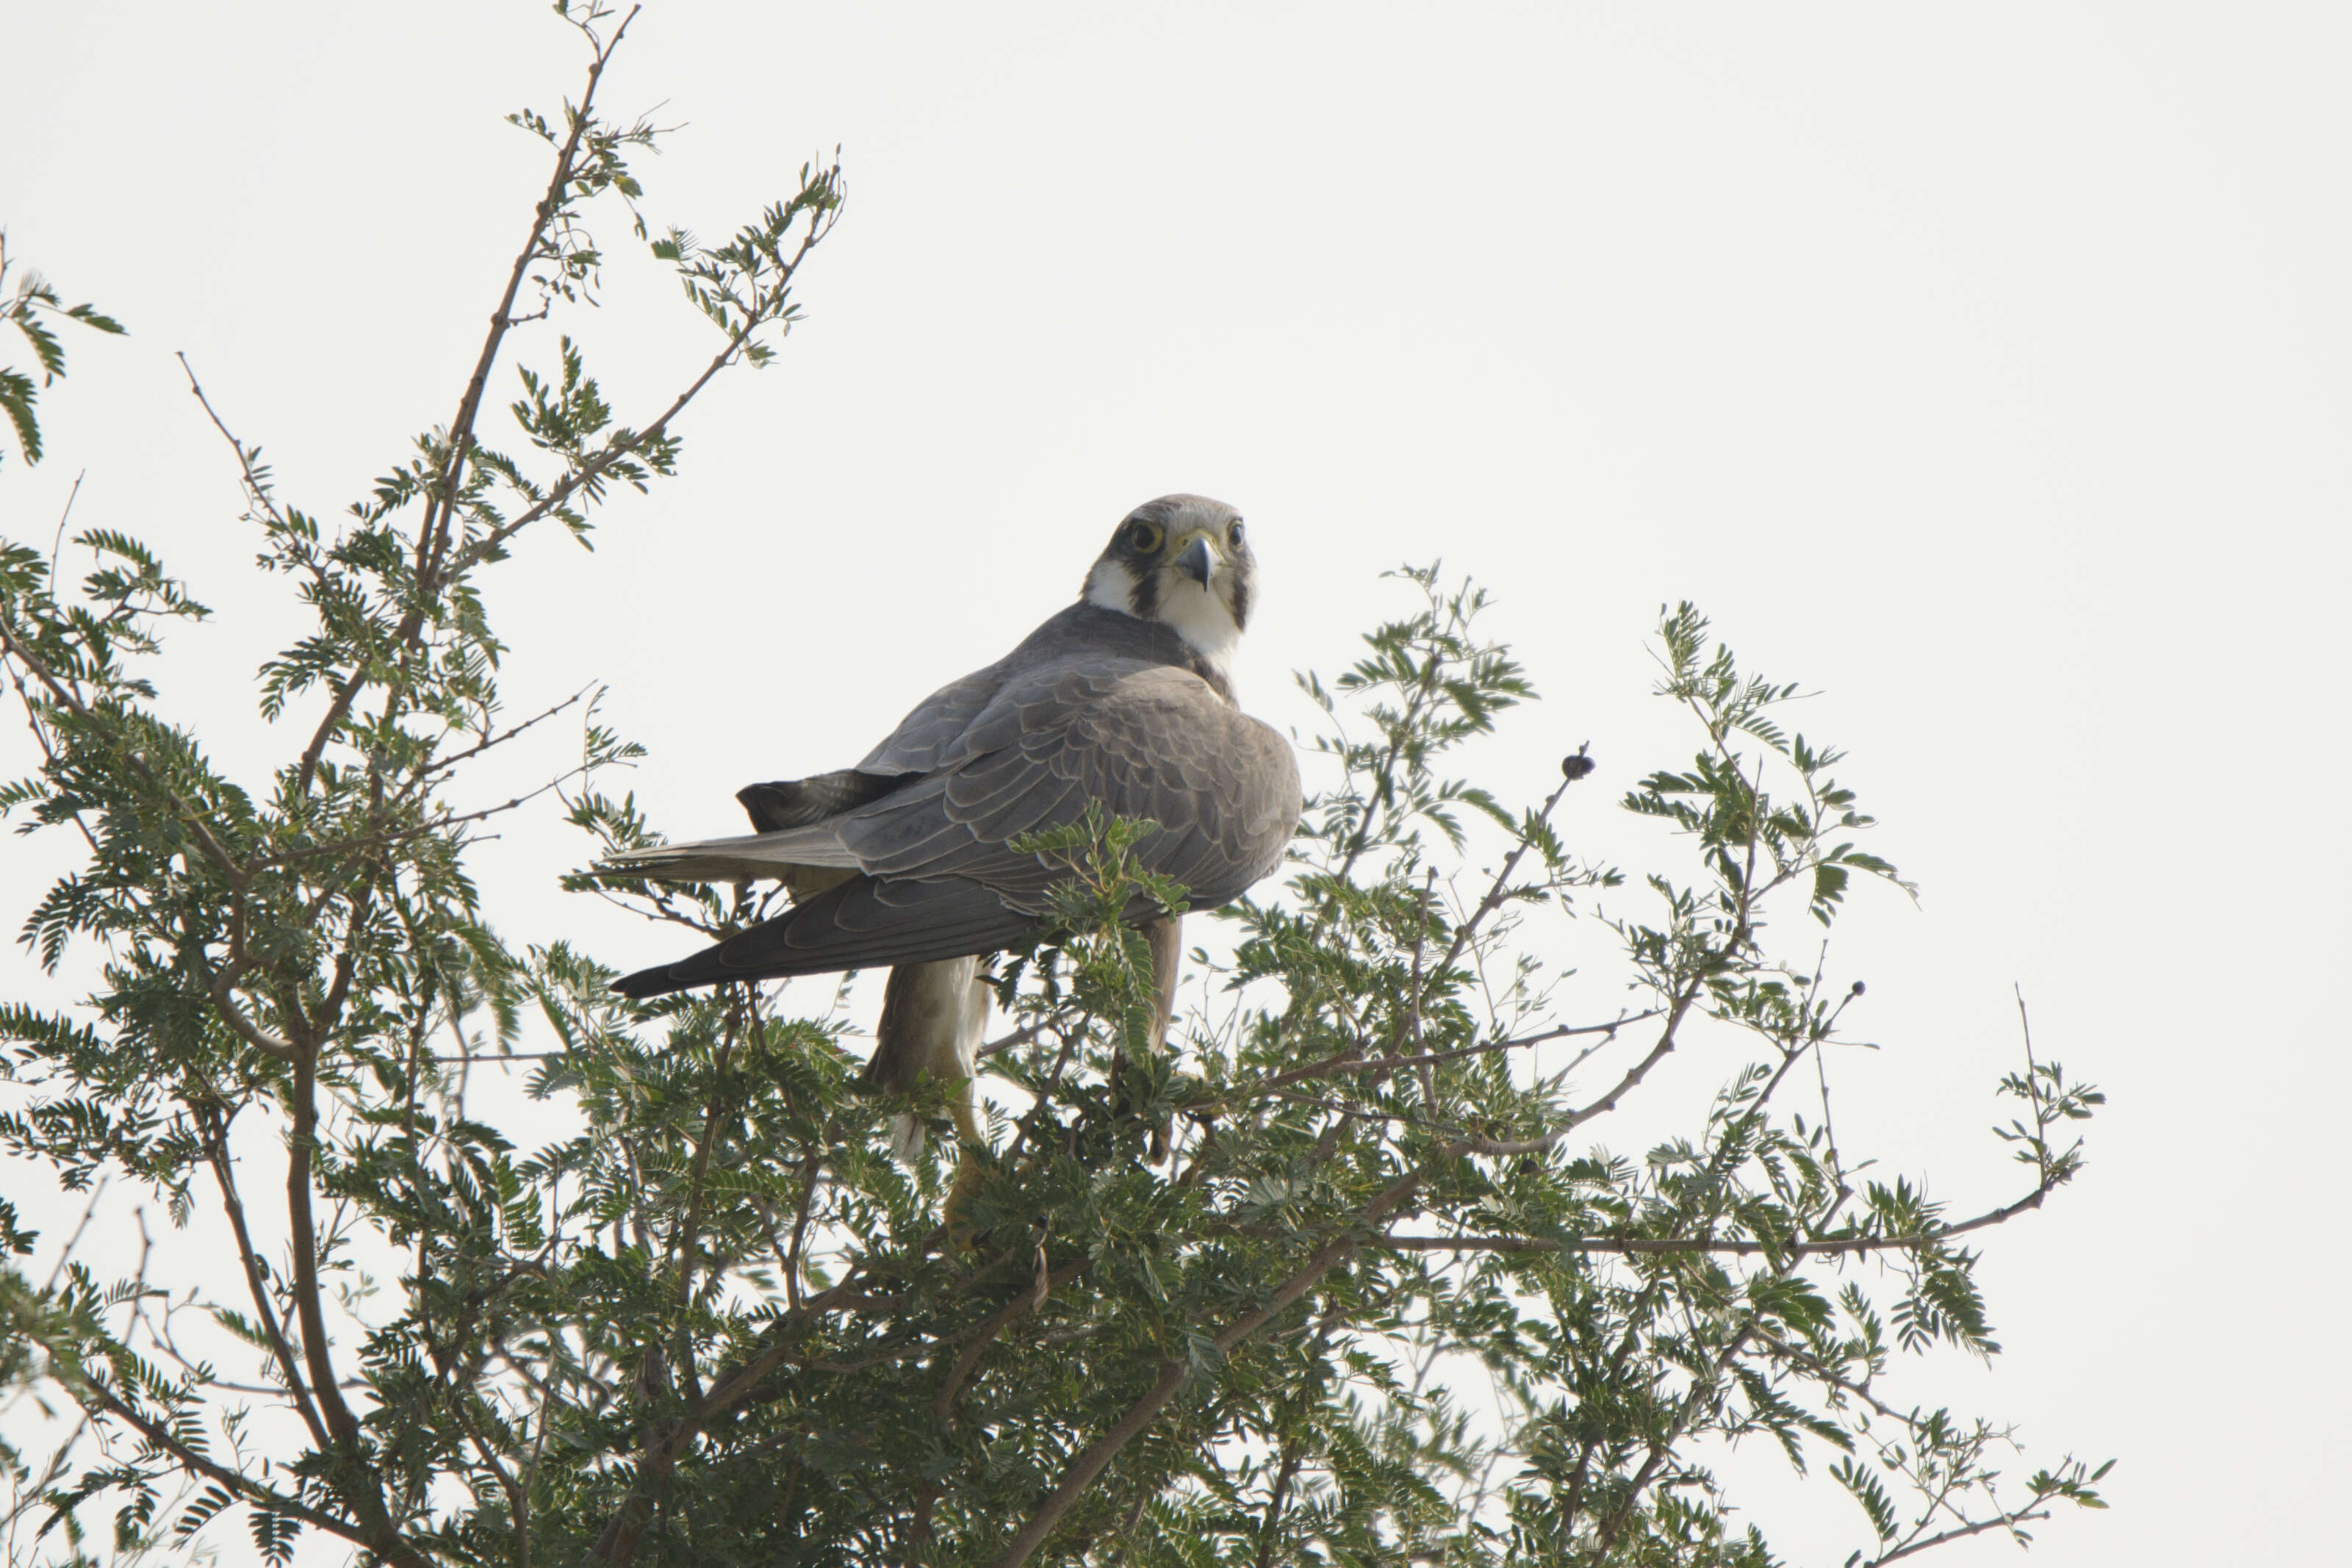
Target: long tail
[
  {"x": 748, "y": 858},
  {"x": 861, "y": 924}
]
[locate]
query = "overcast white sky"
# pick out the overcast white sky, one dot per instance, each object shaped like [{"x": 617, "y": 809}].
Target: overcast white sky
[{"x": 1983, "y": 367}]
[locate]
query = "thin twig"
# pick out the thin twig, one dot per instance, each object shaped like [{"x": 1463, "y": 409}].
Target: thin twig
[
  {"x": 1353, "y": 1061},
  {"x": 1639, "y": 1247},
  {"x": 794, "y": 1261},
  {"x": 500, "y": 739},
  {"x": 1668, "y": 1037},
  {"x": 58, "y": 542},
  {"x": 1500, "y": 889},
  {"x": 402, "y": 835},
  {"x": 2005, "y": 1521},
  {"x": 433, "y": 535},
  {"x": 253, "y": 486},
  {"x": 627, "y": 443}
]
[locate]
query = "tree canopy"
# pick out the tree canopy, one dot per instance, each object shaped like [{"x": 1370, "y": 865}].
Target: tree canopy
[{"x": 1390, "y": 1296}]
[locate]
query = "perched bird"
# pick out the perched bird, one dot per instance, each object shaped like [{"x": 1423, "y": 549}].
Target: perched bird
[{"x": 1124, "y": 700}]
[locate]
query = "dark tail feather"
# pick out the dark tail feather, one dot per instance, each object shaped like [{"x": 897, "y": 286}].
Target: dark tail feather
[
  {"x": 861, "y": 924},
  {"x": 648, "y": 983},
  {"x": 796, "y": 803}
]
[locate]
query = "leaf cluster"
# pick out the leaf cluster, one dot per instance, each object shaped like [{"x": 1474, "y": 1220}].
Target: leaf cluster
[{"x": 32, "y": 307}]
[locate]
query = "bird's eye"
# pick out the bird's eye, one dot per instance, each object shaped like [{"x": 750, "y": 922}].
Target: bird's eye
[
  {"x": 1233, "y": 534},
  {"x": 1146, "y": 538}
]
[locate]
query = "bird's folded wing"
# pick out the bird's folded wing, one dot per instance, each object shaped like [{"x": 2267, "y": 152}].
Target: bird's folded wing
[
  {"x": 746, "y": 858},
  {"x": 1151, "y": 741},
  {"x": 942, "y": 879},
  {"x": 927, "y": 737}
]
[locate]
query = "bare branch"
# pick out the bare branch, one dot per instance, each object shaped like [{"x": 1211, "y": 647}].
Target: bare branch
[
  {"x": 241, "y": 1024},
  {"x": 255, "y": 489},
  {"x": 1667, "y": 1039},
  {"x": 422, "y": 830},
  {"x": 1020, "y": 1036},
  {"x": 1501, "y": 887},
  {"x": 503, "y": 736}
]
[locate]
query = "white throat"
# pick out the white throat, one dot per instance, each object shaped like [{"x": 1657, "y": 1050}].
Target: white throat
[
  {"x": 1207, "y": 627},
  {"x": 1194, "y": 613}
]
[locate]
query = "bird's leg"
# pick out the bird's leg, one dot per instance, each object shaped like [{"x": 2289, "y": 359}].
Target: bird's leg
[
  {"x": 963, "y": 1102},
  {"x": 933, "y": 1015},
  {"x": 1165, "y": 938}
]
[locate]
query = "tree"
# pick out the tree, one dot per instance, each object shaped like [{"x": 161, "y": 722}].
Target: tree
[{"x": 719, "y": 1324}]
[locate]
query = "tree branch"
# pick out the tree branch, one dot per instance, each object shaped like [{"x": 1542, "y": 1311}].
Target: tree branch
[
  {"x": 1353, "y": 1061},
  {"x": 253, "y": 485},
  {"x": 355, "y": 1480},
  {"x": 503, "y": 736},
  {"x": 217, "y": 1154},
  {"x": 241, "y": 1024},
  {"x": 1500, "y": 889},
  {"x": 2004, "y": 1522},
  {"x": 1637, "y": 1246},
  {"x": 433, "y": 535},
  {"x": 624, "y": 443},
  {"x": 1668, "y": 1040}
]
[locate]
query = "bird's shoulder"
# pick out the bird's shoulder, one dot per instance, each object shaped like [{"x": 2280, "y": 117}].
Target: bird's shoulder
[
  {"x": 1087, "y": 634},
  {"x": 1080, "y": 653}
]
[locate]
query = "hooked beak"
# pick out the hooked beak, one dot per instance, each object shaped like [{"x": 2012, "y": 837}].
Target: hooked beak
[{"x": 1197, "y": 561}]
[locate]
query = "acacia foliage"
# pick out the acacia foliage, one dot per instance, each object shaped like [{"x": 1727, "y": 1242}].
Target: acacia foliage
[
  {"x": 35, "y": 310},
  {"x": 720, "y": 1324}
]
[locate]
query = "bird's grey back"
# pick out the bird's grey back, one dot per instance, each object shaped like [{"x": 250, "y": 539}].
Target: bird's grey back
[{"x": 939, "y": 732}]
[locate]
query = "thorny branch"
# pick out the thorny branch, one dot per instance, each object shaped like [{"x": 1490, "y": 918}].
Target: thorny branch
[{"x": 433, "y": 536}]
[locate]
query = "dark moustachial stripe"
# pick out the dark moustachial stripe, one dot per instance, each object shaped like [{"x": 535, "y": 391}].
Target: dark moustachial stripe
[{"x": 1143, "y": 599}]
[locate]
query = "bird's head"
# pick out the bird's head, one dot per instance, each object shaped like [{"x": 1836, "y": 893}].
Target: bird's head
[{"x": 1183, "y": 560}]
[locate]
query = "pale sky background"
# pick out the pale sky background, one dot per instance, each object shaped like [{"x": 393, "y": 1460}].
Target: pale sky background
[{"x": 1985, "y": 367}]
